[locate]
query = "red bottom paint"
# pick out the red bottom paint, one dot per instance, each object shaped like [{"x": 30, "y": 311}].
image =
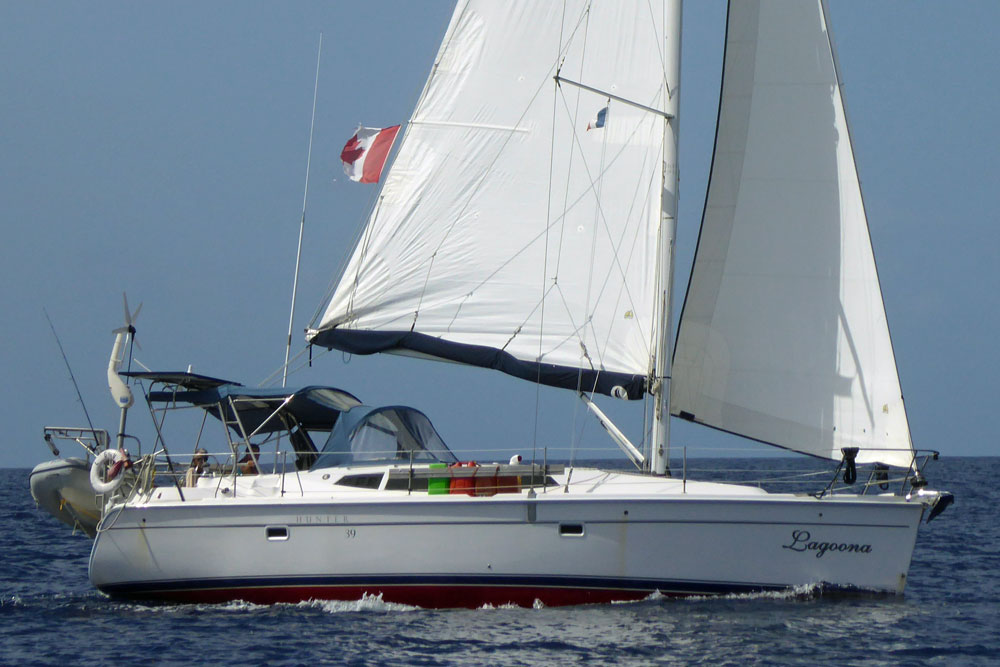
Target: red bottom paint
[{"x": 430, "y": 596}]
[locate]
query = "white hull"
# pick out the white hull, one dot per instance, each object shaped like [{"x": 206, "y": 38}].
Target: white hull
[{"x": 620, "y": 539}]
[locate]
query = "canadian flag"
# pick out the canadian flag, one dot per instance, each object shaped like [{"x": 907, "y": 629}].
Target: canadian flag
[{"x": 365, "y": 153}]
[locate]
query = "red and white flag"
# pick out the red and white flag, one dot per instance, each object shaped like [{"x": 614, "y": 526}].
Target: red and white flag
[{"x": 365, "y": 153}]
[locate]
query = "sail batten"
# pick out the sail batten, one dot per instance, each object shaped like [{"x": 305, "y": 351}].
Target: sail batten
[{"x": 783, "y": 336}]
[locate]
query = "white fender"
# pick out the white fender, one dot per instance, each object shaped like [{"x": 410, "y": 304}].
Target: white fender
[{"x": 97, "y": 470}]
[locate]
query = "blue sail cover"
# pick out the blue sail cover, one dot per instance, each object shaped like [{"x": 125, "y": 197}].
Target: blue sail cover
[
  {"x": 359, "y": 341},
  {"x": 394, "y": 433}
]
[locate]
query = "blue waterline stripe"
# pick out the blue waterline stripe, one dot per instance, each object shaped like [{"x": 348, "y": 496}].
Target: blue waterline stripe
[{"x": 374, "y": 581}]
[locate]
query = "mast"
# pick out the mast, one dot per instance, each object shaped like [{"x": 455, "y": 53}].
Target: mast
[
  {"x": 302, "y": 222},
  {"x": 668, "y": 227}
]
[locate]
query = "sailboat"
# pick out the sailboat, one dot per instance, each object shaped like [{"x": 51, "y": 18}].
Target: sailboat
[{"x": 527, "y": 225}]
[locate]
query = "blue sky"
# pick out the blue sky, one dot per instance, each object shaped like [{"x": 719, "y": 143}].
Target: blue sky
[{"x": 160, "y": 148}]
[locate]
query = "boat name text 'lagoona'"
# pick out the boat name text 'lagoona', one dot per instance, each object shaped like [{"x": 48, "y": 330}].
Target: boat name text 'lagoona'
[{"x": 801, "y": 542}]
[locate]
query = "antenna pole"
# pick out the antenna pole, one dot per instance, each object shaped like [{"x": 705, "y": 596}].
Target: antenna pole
[
  {"x": 302, "y": 222},
  {"x": 668, "y": 227}
]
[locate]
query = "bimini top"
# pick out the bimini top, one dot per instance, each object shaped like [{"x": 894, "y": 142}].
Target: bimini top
[
  {"x": 185, "y": 379},
  {"x": 394, "y": 433},
  {"x": 313, "y": 407}
]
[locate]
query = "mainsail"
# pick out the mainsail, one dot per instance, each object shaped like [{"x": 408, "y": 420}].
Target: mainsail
[
  {"x": 508, "y": 234},
  {"x": 783, "y": 335}
]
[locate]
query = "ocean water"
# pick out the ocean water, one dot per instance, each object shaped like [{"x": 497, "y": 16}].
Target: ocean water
[{"x": 50, "y": 614}]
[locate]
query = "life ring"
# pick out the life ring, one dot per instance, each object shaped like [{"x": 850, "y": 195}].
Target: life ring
[{"x": 116, "y": 458}]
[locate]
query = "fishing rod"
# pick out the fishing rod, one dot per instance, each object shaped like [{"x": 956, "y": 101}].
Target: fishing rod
[{"x": 71, "y": 376}]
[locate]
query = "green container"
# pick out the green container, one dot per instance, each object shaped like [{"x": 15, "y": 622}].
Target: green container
[{"x": 438, "y": 486}]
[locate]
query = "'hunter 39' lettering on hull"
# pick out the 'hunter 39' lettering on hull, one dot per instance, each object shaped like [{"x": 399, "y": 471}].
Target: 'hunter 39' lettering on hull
[{"x": 801, "y": 542}]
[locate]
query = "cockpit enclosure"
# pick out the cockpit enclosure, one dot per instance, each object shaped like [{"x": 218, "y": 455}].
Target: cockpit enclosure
[
  {"x": 387, "y": 434},
  {"x": 351, "y": 433}
]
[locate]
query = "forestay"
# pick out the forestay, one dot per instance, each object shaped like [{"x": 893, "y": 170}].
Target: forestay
[
  {"x": 507, "y": 234},
  {"x": 783, "y": 336}
]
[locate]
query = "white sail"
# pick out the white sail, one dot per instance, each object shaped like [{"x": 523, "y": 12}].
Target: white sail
[
  {"x": 507, "y": 234},
  {"x": 783, "y": 336}
]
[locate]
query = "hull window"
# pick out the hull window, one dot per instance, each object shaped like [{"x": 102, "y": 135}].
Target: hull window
[{"x": 277, "y": 533}]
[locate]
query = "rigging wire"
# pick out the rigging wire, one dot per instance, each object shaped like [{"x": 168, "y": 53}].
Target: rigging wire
[
  {"x": 560, "y": 58},
  {"x": 575, "y": 116},
  {"x": 478, "y": 185}
]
